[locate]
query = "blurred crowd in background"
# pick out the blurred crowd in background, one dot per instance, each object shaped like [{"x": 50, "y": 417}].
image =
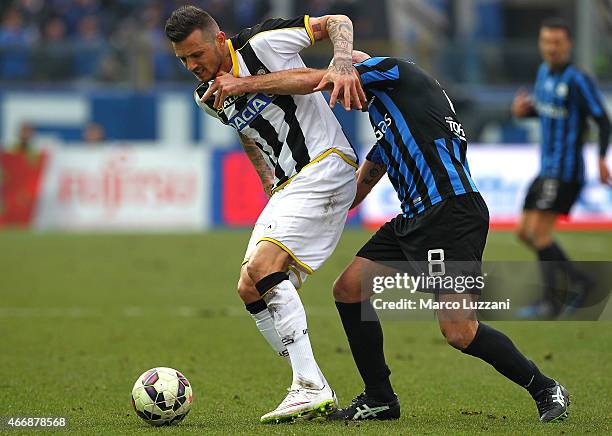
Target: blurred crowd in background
[
  {"x": 120, "y": 40},
  {"x": 115, "y": 54},
  {"x": 463, "y": 41},
  {"x": 97, "y": 114}
]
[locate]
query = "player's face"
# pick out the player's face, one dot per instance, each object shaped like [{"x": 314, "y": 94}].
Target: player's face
[
  {"x": 555, "y": 46},
  {"x": 201, "y": 55}
]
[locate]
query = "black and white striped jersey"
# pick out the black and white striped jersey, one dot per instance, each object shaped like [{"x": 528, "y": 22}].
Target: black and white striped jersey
[{"x": 290, "y": 131}]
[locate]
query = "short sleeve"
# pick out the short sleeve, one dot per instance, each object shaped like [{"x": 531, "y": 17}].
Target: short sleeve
[
  {"x": 378, "y": 73},
  {"x": 375, "y": 154},
  {"x": 277, "y": 36},
  {"x": 290, "y": 39},
  {"x": 589, "y": 94},
  {"x": 274, "y": 44}
]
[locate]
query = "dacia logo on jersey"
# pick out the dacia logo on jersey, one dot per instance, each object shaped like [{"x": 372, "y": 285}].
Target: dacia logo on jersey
[
  {"x": 381, "y": 127},
  {"x": 253, "y": 108},
  {"x": 232, "y": 99},
  {"x": 455, "y": 127}
]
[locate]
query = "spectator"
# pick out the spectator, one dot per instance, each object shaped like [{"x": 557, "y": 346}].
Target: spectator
[
  {"x": 24, "y": 139},
  {"x": 93, "y": 133},
  {"x": 247, "y": 12},
  {"x": 76, "y": 11},
  {"x": 53, "y": 58},
  {"x": 24, "y": 144},
  {"x": 89, "y": 47},
  {"x": 34, "y": 13},
  {"x": 14, "y": 39}
]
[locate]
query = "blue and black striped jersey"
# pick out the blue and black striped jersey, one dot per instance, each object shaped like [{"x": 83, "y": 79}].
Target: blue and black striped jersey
[
  {"x": 419, "y": 138},
  {"x": 564, "y": 99}
]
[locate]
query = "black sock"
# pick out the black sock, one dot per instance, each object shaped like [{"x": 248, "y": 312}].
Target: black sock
[
  {"x": 555, "y": 253},
  {"x": 497, "y": 350},
  {"x": 549, "y": 265},
  {"x": 366, "y": 341},
  {"x": 554, "y": 261}
]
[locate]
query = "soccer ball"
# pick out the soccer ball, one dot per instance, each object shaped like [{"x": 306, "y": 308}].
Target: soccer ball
[{"x": 162, "y": 396}]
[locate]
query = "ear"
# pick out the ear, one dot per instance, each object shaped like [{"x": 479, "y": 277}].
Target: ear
[{"x": 220, "y": 38}]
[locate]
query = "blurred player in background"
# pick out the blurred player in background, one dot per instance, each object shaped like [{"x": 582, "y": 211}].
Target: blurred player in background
[
  {"x": 422, "y": 147},
  {"x": 24, "y": 139},
  {"x": 564, "y": 97},
  {"x": 305, "y": 163}
]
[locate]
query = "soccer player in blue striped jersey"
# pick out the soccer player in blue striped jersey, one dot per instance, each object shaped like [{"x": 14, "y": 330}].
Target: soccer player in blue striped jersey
[
  {"x": 421, "y": 145},
  {"x": 564, "y": 98}
]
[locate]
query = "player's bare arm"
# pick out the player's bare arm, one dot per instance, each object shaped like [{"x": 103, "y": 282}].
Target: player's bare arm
[
  {"x": 604, "y": 172},
  {"x": 263, "y": 170},
  {"x": 299, "y": 81},
  {"x": 368, "y": 175},
  {"x": 339, "y": 29},
  {"x": 603, "y": 124}
]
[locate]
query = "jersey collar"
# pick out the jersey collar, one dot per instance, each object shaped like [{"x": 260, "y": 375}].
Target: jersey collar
[{"x": 235, "y": 66}]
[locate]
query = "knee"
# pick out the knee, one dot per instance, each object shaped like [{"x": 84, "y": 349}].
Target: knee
[
  {"x": 459, "y": 335},
  {"x": 338, "y": 289},
  {"x": 524, "y": 236},
  {"x": 261, "y": 264},
  {"x": 541, "y": 240},
  {"x": 256, "y": 270},
  {"x": 246, "y": 290},
  {"x": 345, "y": 291}
]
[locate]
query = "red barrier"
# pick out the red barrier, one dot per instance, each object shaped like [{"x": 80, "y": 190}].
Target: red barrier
[
  {"x": 243, "y": 197},
  {"x": 563, "y": 225},
  {"x": 20, "y": 176}
]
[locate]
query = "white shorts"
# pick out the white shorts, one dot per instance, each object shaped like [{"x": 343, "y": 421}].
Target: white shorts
[{"x": 306, "y": 217}]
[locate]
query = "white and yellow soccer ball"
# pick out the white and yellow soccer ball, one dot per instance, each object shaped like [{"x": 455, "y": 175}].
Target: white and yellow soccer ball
[{"x": 162, "y": 396}]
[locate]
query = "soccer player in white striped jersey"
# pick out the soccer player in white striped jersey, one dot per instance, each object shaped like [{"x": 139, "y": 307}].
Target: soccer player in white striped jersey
[{"x": 306, "y": 165}]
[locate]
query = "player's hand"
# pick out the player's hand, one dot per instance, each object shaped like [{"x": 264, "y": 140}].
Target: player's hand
[
  {"x": 346, "y": 85},
  {"x": 522, "y": 104},
  {"x": 604, "y": 172},
  {"x": 225, "y": 85}
]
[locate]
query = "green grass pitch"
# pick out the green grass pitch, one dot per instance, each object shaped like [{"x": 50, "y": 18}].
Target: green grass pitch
[{"x": 81, "y": 316}]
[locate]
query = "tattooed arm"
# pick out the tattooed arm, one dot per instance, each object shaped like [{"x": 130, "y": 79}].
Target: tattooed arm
[
  {"x": 368, "y": 175},
  {"x": 263, "y": 170},
  {"x": 346, "y": 83},
  {"x": 298, "y": 81}
]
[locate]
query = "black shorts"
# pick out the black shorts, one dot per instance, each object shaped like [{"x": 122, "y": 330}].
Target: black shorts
[
  {"x": 552, "y": 195},
  {"x": 457, "y": 225}
]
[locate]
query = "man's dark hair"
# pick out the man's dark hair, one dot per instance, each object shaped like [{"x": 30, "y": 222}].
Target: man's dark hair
[
  {"x": 184, "y": 20},
  {"x": 557, "y": 23}
]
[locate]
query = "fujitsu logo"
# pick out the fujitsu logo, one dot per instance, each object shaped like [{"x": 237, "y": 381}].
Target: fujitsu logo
[{"x": 119, "y": 182}]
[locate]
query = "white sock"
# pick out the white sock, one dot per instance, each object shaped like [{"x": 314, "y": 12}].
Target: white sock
[
  {"x": 265, "y": 324},
  {"x": 290, "y": 322}
]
